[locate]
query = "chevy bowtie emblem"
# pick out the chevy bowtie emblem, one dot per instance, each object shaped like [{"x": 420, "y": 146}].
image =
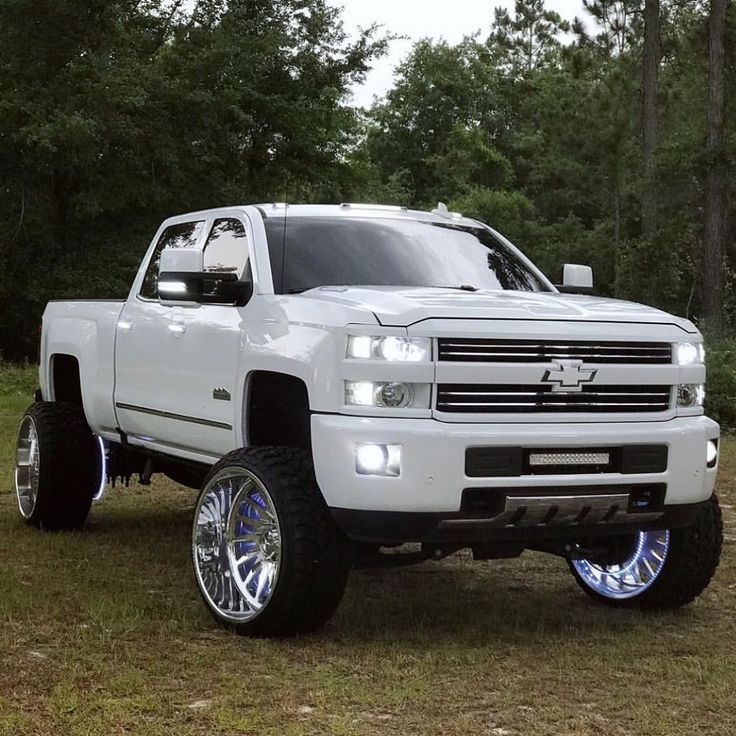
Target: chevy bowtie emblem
[{"x": 568, "y": 375}]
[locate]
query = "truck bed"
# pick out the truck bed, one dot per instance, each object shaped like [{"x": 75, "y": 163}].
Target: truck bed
[{"x": 84, "y": 330}]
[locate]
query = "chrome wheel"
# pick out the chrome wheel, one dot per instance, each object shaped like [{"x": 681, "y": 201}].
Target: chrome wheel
[
  {"x": 236, "y": 545},
  {"x": 27, "y": 467},
  {"x": 632, "y": 576}
]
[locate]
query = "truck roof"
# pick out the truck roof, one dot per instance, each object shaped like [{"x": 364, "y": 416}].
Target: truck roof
[
  {"x": 275, "y": 210},
  {"x": 441, "y": 214}
]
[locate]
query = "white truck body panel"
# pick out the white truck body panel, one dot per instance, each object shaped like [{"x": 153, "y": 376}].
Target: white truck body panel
[
  {"x": 397, "y": 306},
  {"x": 433, "y": 473},
  {"x": 150, "y": 371},
  {"x": 85, "y": 330}
]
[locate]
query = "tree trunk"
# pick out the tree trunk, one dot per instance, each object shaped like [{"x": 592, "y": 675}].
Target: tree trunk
[
  {"x": 715, "y": 194},
  {"x": 650, "y": 116}
]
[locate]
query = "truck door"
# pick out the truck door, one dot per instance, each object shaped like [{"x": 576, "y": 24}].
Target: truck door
[{"x": 176, "y": 366}]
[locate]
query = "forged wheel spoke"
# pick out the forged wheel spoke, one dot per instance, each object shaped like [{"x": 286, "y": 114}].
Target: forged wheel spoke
[
  {"x": 27, "y": 466},
  {"x": 252, "y": 573},
  {"x": 246, "y": 538},
  {"x": 632, "y": 576},
  {"x": 246, "y": 558},
  {"x": 237, "y": 542},
  {"x": 262, "y": 579},
  {"x": 254, "y": 524}
]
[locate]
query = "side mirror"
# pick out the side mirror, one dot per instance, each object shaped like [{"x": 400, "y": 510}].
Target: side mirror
[
  {"x": 576, "y": 279},
  {"x": 182, "y": 280}
]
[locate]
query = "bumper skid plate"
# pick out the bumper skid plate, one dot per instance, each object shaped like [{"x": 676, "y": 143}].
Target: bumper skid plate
[{"x": 549, "y": 511}]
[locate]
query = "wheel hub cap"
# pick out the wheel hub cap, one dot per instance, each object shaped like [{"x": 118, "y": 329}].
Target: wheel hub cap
[
  {"x": 27, "y": 466},
  {"x": 632, "y": 576},
  {"x": 237, "y": 545}
]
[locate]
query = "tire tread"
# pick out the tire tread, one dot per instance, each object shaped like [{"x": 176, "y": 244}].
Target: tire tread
[
  {"x": 69, "y": 466},
  {"x": 316, "y": 562},
  {"x": 692, "y": 560}
]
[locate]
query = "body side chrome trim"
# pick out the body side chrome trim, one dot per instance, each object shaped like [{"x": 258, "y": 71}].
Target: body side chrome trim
[{"x": 177, "y": 417}]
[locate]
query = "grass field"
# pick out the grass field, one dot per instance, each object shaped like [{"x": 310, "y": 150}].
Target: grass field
[{"x": 104, "y": 632}]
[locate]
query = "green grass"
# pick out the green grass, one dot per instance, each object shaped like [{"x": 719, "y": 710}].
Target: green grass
[{"x": 104, "y": 632}]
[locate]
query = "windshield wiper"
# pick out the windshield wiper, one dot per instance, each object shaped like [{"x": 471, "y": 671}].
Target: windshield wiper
[{"x": 461, "y": 287}]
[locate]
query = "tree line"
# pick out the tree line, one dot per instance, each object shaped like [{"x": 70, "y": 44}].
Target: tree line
[{"x": 607, "y": 140}]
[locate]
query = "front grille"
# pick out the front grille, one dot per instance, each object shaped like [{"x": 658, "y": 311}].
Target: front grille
[
  {"x": 513, "y": 399},
  {"x": 488, "y": 350}
]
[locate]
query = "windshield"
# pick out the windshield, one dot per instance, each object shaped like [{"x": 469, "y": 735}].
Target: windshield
[{"x": 307, "y": 252}]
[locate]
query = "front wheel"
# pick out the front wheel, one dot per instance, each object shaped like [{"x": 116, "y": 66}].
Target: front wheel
[
  {"x": 268, "y": 557},
  {"x": 656, "y": 570}
]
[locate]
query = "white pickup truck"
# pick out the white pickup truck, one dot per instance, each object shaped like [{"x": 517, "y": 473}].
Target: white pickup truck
[{"x": 358, "y": 385}]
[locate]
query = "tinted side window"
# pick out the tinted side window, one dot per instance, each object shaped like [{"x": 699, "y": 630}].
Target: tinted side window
[
  {"x": 185, "y": 235},
  {"x": 226, "y": 250}
]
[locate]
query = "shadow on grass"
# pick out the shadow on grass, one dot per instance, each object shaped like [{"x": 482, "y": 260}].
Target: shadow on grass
[
  {"x": 137, "y": 543},
  {"x": 516, "y": 601}
]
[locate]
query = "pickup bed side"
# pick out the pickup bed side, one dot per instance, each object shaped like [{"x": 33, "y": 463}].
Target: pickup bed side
[{"x": 85, "y": 331}]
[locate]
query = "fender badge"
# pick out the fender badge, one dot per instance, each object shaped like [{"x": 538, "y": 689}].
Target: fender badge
[{"x": 221, "y": 394}]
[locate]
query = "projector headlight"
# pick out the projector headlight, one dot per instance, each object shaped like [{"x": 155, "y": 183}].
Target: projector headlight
[
  {"x": 689, "y": 353},
  {"x": 391, "y": 348},
  {"x": 384, "y": 394},
  {"x": 690, "y": 395}
]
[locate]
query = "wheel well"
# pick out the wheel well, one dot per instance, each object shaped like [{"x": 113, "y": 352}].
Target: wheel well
[
  {"x": 277, "y": 412},
  {"x": 66, "y": 380}
]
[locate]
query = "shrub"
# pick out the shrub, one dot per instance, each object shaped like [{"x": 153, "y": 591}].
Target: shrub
[{"x": 720, "y": 402}]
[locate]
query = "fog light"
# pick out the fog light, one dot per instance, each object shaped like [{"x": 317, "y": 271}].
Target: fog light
[
  {"x": 711, "y": 453},
  {"x": 375, "y": 459},
  {"x": 690, "y": 395}
]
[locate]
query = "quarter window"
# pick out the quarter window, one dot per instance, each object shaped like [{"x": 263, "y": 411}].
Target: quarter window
[
  {"x": 185, "y": 235},
  {"x": 226, "y": 250}
]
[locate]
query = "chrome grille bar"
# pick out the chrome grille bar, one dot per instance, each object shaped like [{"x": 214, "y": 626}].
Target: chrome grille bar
[
  {"x": 488, "y": 350},
  {"x": 491, "y": 399}
]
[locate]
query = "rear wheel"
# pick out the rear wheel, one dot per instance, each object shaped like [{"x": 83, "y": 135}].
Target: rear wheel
[
  {"x": 268, "y": 557},
  {"x": 656, "y": 569},
  {"x": 57, "y": 466}
]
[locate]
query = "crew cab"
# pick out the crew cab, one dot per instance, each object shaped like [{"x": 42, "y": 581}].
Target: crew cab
[{"x": 359, "y": 385}]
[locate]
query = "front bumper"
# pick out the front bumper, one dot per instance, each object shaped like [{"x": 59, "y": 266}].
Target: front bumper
[
  {"x": 433, "y": 480},
  {"x": 397, "y": 527}
]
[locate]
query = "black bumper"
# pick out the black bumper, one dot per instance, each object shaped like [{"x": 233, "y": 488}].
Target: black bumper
[{"x": 396, "y": 527}]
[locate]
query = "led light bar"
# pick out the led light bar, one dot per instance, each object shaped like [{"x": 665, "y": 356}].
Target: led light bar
[{"x": 569, "y": 458}]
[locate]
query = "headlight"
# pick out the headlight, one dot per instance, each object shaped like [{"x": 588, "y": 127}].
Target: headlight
[
  {"x": 394, "y": 349},
  {"x": 689, "y": 353},
  {"x": 386, "y": 394},
  {"x": 690, "y": 395}
]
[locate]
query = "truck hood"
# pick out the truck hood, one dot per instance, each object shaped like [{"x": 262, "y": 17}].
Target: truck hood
[{"x": 404, "y": 306}]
